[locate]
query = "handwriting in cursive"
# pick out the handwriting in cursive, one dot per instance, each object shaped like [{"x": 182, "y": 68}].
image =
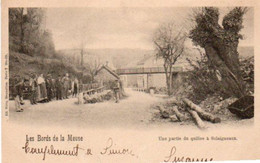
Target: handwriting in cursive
[
  {"x": 110, "y": 150},
  {"x": 172, "y": 158},
  {"x": 51, "y": 150}
]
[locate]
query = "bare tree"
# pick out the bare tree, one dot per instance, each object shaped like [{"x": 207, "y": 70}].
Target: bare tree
[
  {"x": 169, "y": 42},
  {"x": 92, "y": 67}
]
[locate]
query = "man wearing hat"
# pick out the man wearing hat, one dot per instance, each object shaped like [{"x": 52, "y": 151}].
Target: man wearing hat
[{"x": 58, "y": 86}]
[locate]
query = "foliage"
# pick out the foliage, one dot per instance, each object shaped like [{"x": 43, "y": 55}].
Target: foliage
[
  {"x": 27, "y": 32},
  {"x": 204, "y": 81},
  {"x": 207, "y": 29},
  {"x": 22, "y": 65},
  {"x": 247, "y": 68}
]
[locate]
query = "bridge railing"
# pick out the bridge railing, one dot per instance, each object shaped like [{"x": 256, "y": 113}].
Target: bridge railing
[
  {"x": 92, "y": 88},
  {"x": 146, "y": 70}
]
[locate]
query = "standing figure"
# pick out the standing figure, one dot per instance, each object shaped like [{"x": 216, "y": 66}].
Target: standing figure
[
  {"x": 117, "y": 90},
  {"x": 53, "y": 88},
  {"x": 66, "y": 85},
  {"x": 42, "y": 89},
  {"x": 49, "y": 87},
  {"x": 18, "y": 94},
  {"x": 33, "y": 89},
  {"x": 75, "y": 87},
  {"x": 58, "y": 86},
  {"x": 72, "y": 87}
]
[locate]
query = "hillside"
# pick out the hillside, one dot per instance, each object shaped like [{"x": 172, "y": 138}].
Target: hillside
[{"x": 22, "y": 65}]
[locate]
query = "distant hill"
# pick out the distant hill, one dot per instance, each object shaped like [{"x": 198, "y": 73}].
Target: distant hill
[
  {"x": 246, "y": 51},
  {"x": 118, "y": 57},
  {"x": 124, "y": 57}
]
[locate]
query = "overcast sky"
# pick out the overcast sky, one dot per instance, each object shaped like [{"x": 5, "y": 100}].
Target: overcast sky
[{"x": 119, "y": 27}]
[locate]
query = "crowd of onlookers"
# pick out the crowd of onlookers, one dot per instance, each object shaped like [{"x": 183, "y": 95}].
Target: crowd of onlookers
[{"x": 44, "y": 89}]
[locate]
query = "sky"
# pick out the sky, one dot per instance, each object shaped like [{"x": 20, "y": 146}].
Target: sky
[{"x": 114, "y": 28}]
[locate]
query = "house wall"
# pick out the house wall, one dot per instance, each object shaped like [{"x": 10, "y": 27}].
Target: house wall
[
  {"x": 150, "y": 80},
  {"x": 158, "y": 80},
  {"x": 144, "y": 80},
  {"x": 104, "y": 76},
  {"x": 131, "y": 81},
  {"x": 123, "y": 79}
]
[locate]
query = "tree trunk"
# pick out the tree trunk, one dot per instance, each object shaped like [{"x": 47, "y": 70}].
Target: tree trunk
[
  {"x": 82, "y": 57},
  {"x": 22, "y": 32},
  {"x": 167, "y": 79},
  {"x": 231, "y": 79},
  {"x": 170, "y": 80},
  {"x": 168, "y": 75}
]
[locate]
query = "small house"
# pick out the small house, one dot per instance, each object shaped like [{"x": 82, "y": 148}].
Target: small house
[{"x": 106, "y": 76}]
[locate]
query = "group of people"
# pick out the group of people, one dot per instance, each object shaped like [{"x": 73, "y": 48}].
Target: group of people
[{"x": 44, "y": 89}]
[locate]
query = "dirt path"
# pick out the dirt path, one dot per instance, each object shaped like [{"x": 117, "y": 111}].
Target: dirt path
[{"x": 133, "y": 111}]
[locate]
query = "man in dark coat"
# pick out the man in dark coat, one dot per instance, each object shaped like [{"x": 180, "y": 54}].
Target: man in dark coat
[
  {"x": 49, "y": 87},
  {"x": 58, "y": 86},
  {"x": 117, "y": 90},
  {"x": 53, "y": 88}
]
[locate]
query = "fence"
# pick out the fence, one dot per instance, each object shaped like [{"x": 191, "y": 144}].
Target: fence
[{"x": 92, "y": 88}]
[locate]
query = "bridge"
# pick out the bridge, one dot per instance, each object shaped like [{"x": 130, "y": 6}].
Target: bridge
[{"x": 151, "y": 70}]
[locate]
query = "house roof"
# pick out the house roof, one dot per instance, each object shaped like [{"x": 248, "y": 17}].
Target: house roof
[{"x": 108, "y": 69}]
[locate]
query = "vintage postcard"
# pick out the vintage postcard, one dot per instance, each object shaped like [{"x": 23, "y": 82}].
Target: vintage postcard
[{"x": 130, "y": 81}]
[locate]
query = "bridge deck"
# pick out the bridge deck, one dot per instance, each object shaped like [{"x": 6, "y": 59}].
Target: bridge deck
[{"x": 152, "y": 70}]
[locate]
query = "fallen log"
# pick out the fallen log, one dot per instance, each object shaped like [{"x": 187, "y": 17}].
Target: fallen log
[
  {"x": 179, "y": 115},
  {"x": 197, "y": 119},
  {"x": 164, "y": 113},
  {"x": 204, "y": 115},
  {"x": 174, "y": 118}
]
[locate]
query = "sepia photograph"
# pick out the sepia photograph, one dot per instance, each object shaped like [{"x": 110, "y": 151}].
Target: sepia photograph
[
  {"x": 130, "y": 81},
  {"x": 132, "y": 67}
]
